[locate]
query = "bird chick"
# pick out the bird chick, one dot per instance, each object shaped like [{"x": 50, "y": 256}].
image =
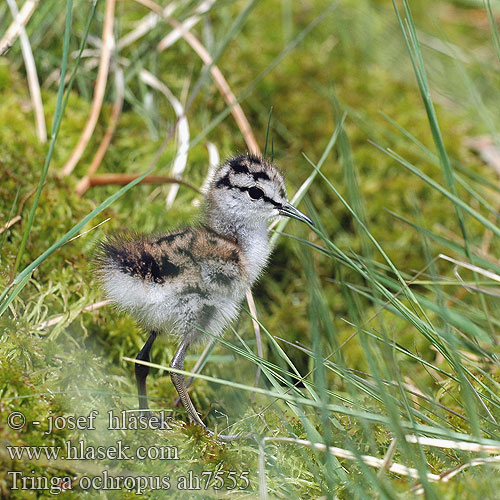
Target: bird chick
[{"x": 192, "y": 280}]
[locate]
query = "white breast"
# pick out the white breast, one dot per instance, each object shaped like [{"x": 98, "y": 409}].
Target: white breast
[{"x": 255, "y": 245}]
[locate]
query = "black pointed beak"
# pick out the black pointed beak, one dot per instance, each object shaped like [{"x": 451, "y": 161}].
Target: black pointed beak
[{"x": 289, "y": 210}]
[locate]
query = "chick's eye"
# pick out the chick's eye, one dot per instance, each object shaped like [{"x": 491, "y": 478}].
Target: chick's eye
[{"x": 255, "y": 193}]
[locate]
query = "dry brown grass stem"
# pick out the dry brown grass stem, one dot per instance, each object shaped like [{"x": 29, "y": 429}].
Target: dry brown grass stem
[
  {"x": 182, "y": 126},
  {"x": 84, "y": 184},
  {"x": 57, "y": 319},
  {"x": 487, "y": 149},
  {"x": 146, "y": 24},
  {"x": 217, "y": 76},
  {"x": 389, "y": 455},
  {"x": 12, "y": 221},
  {"x": 26, "y": 197},
  {"x": 32, "y": 76},
  {"x": 187, "y": 24},
  {"x": 369, "y": 460},
  {"x": 20, "y": 20},
  {"x": 444, "y": 477},
  {"x": 258, "y": 337},
  {"x": 213, "y": 163},
  {"x": 452, "y": 444},
  {"x": 100, "y": 88},
  {"x": 122, "y": 179}
]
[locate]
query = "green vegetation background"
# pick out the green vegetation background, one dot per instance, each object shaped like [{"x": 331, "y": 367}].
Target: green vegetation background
[{"x": 353, "y": 61}]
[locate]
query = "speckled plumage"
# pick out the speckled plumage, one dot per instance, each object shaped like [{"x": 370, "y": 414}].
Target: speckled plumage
[
  {"x": 176, "y": 282},
  {"x": 194, "y": 278}
]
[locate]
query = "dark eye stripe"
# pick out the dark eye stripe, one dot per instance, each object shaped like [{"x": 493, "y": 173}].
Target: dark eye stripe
[
  {"x": 225, "y": 182},
  {"x": 272, "y": 202}
]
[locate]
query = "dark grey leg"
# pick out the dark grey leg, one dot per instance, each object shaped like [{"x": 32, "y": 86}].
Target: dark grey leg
[{"x": 141, "y": 373}]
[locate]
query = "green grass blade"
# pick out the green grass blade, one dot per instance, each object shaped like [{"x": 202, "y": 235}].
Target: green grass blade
[
  {"x": 493, "y": 26},
  {"x": 58, "y": 115},
  {"x": 57, "y": 118},
  {"x": 455, "y": 199},
  {"x": 267, "y": 131},
  {"x": 299, "y": 195},
  {"x": 20, "y": 278}
]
